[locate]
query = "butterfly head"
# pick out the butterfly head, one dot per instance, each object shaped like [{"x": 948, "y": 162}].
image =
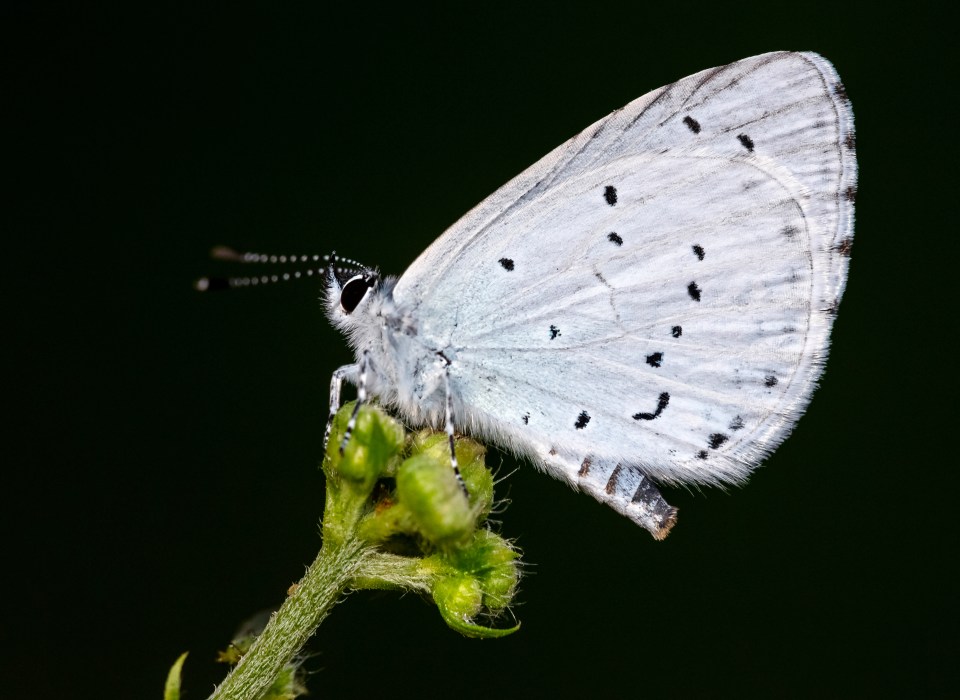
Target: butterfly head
[{"x": 350, "y": 286}]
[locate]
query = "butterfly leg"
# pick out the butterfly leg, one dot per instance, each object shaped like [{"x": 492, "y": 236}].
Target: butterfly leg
[
  {"x": 348, "y": 372},
  {"x": 449, "y": 425},
  {"x": 361, "y": 399}
]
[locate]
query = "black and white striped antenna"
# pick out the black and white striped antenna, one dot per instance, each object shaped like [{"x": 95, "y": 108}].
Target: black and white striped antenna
[{"x": 316, "y": 267}]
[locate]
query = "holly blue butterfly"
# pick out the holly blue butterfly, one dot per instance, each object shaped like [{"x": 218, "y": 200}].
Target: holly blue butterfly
[{"x": 650, "y": 303}]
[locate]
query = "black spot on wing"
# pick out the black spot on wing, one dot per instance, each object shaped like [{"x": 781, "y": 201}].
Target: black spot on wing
[
  {"x": 615, "y": 238},
  {"x": 526, "y": 419},
  {"x": 692, "y": 124},
  {"x": 850, "y": 194},
  {"x": 850, "y": 141},
  {"x": 507, "y": 264},
  {"x": 746, "y": 142},
  {"x": 845, "y": 247},
  {"x": 736, "y": 423},
  {"x": 769, "y": 381},
  {"x": 610, "y": 194},
  {"x": 582, "y": 420},
  {"x": 717, "y": 439},
  {"x": 655, "y": 359},
  {"x": 662, "y": 402},
  {"x": 702, "y": 454},
  {"x": 790, "y": 231},
  {"x": 676, "y": 331},
  {"x": 694, "y": 291},
  {"x": 840, "y": 91},
  {"x": 554, "y": 332},
  {"x": 699, "y": 252}
]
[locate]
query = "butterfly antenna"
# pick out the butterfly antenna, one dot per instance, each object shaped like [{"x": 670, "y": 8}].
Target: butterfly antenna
[{"x": 227, "y": 254}]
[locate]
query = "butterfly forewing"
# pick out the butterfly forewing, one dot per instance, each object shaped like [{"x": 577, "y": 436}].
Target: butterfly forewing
[{"x": 655, "y": 296}]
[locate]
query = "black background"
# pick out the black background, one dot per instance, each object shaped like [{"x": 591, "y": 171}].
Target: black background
[{"x": 161, "y": 480}]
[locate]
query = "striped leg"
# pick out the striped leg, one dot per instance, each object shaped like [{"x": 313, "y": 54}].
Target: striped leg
[
  {"x": 348, "y": 372},
  {"x": 361, "y": 399},
  {"x": 453, "y": 451}
]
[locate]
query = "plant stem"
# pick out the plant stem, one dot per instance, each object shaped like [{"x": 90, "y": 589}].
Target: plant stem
[
  {"x": 295, "y": 621},
  {"x": 381, "y": 570}
]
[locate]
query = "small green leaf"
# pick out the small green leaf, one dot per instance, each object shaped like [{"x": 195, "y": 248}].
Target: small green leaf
[
  {"x": 171, "y": 690},
  {"x": 469, "y": 628}
]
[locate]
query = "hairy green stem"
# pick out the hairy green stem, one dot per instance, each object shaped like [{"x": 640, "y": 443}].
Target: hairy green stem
[
  {"x": 295, "y": 621},
  {"x": 384, "y": 571}
]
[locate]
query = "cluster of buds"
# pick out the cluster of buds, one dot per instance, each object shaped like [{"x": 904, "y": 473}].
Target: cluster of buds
[{"x": 398, "y": 492}]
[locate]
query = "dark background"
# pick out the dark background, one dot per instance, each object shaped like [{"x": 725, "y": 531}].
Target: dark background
[{"x": 161, "y": 480}]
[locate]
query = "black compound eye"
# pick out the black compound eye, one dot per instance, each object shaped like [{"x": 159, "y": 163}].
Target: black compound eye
[{"x": 353, "y": 292}]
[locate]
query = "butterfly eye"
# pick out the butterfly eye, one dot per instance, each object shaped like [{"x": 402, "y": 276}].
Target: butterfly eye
[{"x": 353, "y": 292}]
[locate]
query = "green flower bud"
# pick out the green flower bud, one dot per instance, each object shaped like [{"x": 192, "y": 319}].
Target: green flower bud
[
  {"x": 459, "y": 599},
  {"x": 428, "y": 489},
  {"x": 479, "y": 482},
  {"x": 458, "y": 596},
  {"x": 499, "y": 584},
  {"x": 493, "y": 561},
  {"x": 374, "y": 444},
  {"x": 372, "y": 450},
  {"x": 470, "y": 456}
]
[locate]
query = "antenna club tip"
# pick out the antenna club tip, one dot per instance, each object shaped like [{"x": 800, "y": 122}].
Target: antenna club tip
[
  {"x": 202, "y": 284},
  {"x": 223, "y": 252}
]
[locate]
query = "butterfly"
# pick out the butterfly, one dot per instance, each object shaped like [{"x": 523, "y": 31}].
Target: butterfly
[{"x": 650, "y": 303}]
